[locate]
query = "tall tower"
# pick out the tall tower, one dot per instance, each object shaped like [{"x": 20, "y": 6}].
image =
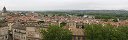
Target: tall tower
[{"x": 4, "y": 9}]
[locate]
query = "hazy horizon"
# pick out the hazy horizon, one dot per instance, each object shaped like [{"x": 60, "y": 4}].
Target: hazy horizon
[{"x": 39, "y": 5}]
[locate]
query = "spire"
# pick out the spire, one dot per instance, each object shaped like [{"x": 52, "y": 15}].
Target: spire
[{"x": 4, "y": 9}]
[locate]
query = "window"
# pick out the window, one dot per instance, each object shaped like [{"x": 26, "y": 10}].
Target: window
[
  {"x": 6, "y": 37},
  {"x": 74, "y": 38},
  {"x": 29, "y": 39},
  {"x": 78, "y": 38}
]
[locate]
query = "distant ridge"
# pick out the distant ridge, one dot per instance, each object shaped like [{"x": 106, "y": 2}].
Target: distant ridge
[{"x": 95, "y": 11}]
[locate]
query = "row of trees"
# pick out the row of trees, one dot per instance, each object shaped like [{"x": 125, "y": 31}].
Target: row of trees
[
  {"x": 92, "y": 32},
  {"x": 99, "y": 32},
  {"x": 98, "y": 15}
]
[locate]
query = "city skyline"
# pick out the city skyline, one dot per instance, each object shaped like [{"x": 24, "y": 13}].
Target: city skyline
[{"x": 39, "y": 5}]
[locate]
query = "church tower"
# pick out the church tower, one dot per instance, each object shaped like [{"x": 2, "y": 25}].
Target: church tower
[{"x": 4, "y": 10}]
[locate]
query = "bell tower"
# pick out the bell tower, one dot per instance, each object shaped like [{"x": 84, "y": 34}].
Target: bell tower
[{"x": 4, "y": 10}]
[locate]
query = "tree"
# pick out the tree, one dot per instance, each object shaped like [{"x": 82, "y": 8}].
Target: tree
[
  {"x": 93, "y": 32},
  {"x": 62, "y": 24},
  {"x": 56, "y": 33},
  {"x": 116, "y": 20},
  {"x": 107, "y": 32}
]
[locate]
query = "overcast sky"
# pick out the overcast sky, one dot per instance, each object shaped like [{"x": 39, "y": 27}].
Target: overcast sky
[{"x": 64, "y": 4}]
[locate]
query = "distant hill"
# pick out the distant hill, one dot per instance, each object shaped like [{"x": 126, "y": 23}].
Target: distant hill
[
  {"x": 87, "y": 11},
  {"x": 99, "y": 11}
]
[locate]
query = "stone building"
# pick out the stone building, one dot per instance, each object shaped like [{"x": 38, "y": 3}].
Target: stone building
[
  {"x": 4, "y": 10},
  {"x": 3, "y": 31},
  {"x": 77, "y": 33},
  {"x": 76, "y": 29},
  {"x": 26, "y": 31}
]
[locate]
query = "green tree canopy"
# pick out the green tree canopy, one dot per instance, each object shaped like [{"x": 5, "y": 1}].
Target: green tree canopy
[
  {"x": 107, "y": 32},
  {"x": 56, "y": 33},
  {"x": 62, "y": 24}
]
